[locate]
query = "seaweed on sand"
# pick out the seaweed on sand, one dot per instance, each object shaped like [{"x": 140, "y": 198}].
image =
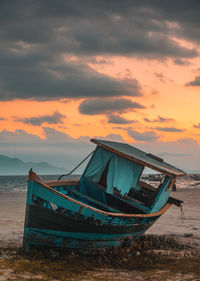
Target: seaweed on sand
[{"x": 148, "y": 256}]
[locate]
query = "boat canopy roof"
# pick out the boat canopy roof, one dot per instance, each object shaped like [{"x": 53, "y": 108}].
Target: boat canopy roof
[{"x": 138, "y": 156}]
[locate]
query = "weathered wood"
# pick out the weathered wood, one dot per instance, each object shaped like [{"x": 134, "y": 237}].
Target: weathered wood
[
  {"x": 148, "y": 186},
  {"x": 175, "y": 201},
  {"x": 62, "y": 182},
  {"x": 32, "y": 175},
  {"x": 171, "y": 184},
  {"x": 162, "y": 211}
]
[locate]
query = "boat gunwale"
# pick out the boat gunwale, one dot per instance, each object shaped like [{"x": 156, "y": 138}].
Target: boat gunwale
[
  {"x": 162, "y": 211},
  {"x": 62, "y": 182}
]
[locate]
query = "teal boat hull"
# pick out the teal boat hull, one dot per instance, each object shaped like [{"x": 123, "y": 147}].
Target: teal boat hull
[
  {"x": 47, "y": 228},
  {"x": 55, "y": 220}
]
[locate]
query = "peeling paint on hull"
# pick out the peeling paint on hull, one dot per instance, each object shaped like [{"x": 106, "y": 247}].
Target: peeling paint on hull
[
  {"x": 47, "y": 228},
  {"x": 50, "y": 238},
  {"x": 54, "y": 218}
]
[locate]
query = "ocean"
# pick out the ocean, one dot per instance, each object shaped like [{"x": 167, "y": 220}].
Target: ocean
[{"x": 19, "y": 183}]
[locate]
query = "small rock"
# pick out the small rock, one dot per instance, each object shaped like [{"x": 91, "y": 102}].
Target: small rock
[{"x": 188, "y": 235}]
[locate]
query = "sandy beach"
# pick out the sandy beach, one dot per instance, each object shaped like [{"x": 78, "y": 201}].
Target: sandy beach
[
  {"x": 185, "y": 225},
  {"x": 185, "y": 230}
]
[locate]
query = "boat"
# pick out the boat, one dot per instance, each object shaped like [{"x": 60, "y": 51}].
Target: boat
[{"x": 109, "y": 205}]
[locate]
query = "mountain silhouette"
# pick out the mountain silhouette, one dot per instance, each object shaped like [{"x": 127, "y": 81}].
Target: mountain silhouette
[{"x": 15, "y": 166}]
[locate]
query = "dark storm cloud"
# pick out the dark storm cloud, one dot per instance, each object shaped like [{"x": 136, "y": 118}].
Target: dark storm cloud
[
  {"x": 183, "y": 16},
  {"x": 32, "y": 77},
  {"x": 116, "y": 119},
  {"x": 55, "y": 118},
  {"x": 169, "y": 129},
  {"x": 97, "y": 27},
  {"x": 35, "y": 35},
  {"x": 144, "y": 136},
  {"x": 195, "y": 82},
  {"x": 105, "y": 106}
]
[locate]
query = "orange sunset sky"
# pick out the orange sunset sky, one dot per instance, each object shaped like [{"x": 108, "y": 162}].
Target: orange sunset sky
[{"x": 119, "y": 70}]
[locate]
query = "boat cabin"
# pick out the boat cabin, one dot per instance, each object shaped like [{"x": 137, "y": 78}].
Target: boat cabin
[
  {"x": 116, "y": 169},
  {"x": 112, "y": 180}
]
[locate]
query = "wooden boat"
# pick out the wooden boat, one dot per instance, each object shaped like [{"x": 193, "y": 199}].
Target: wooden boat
[{"x": 108, "y": 206}]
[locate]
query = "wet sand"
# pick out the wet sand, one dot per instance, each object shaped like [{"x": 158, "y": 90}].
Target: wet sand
[
  {"x": 14, "y": 266},
  {"x": 170, "y": 224},
  {"x": 12, "y": 218},
  {"x": 185, "y": 224}
]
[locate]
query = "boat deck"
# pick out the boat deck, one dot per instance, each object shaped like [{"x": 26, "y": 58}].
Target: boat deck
[{"x": 105, "y": 201}]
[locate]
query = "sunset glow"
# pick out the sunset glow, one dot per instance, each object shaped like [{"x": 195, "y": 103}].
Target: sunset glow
[{"x": 130, "y": 74}]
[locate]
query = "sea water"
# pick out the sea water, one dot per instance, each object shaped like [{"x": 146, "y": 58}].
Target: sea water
[{"x": 19, "y": 183}]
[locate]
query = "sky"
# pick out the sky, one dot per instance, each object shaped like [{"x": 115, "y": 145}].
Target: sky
[{"x": 125, "y": 71}]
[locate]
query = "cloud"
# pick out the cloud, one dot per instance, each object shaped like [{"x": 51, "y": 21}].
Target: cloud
[
  {"x": 106, "y": 106},
  {"x": 56, "y": 148},
  {"x": 154, "y": 92},
  {"x": 181, "y": 62},
  {"x": 197, "y": 126},
  {"x": 116, "y": 119},
  {"x": 195, "y": 82},
  {"x": 38, "y": 38},
  {"x": 159, "y": 119},
  {"x": 183, "y": 153},
  {"x": 163, "y": 119},
  {"x": 161, "y": 77},
  {"x": 60, "y": 149},
  {"x": 169, "y": 129},
  {"x": 51, "y": 80},
  {"x": 147, "y": 136},
  {"x": 19, "y": 137},
  {"x": 55, "y": 118},
  {"x": 96, "y": 28},
  {"x": 1, "y": 118},
  {"x": 169, "y": 154},
  {"x": 111, "y": 137}
]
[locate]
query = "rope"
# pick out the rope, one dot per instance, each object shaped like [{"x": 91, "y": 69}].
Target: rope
[
  {"x": 76, "y": 166},
  {"x": 182, "y": 214}
]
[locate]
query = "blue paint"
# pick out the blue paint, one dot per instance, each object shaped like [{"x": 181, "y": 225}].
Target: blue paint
[
  {"x": 89, "y": 188},
  {"x": 123, "y": 174},
  {"x": 29, "y": 192},
  {"x": 56, "y": 199},
  {"x": 76, "y": 240},
  {"x": 162, "y": 196}
]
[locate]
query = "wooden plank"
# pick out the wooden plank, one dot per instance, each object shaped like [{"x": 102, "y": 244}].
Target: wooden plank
[
  {"x": 162, "y": 211},
  {"x": 92, "y": 200},
  {"x": 145, "y": 185},
  {"x": 63, "y": 182}
]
